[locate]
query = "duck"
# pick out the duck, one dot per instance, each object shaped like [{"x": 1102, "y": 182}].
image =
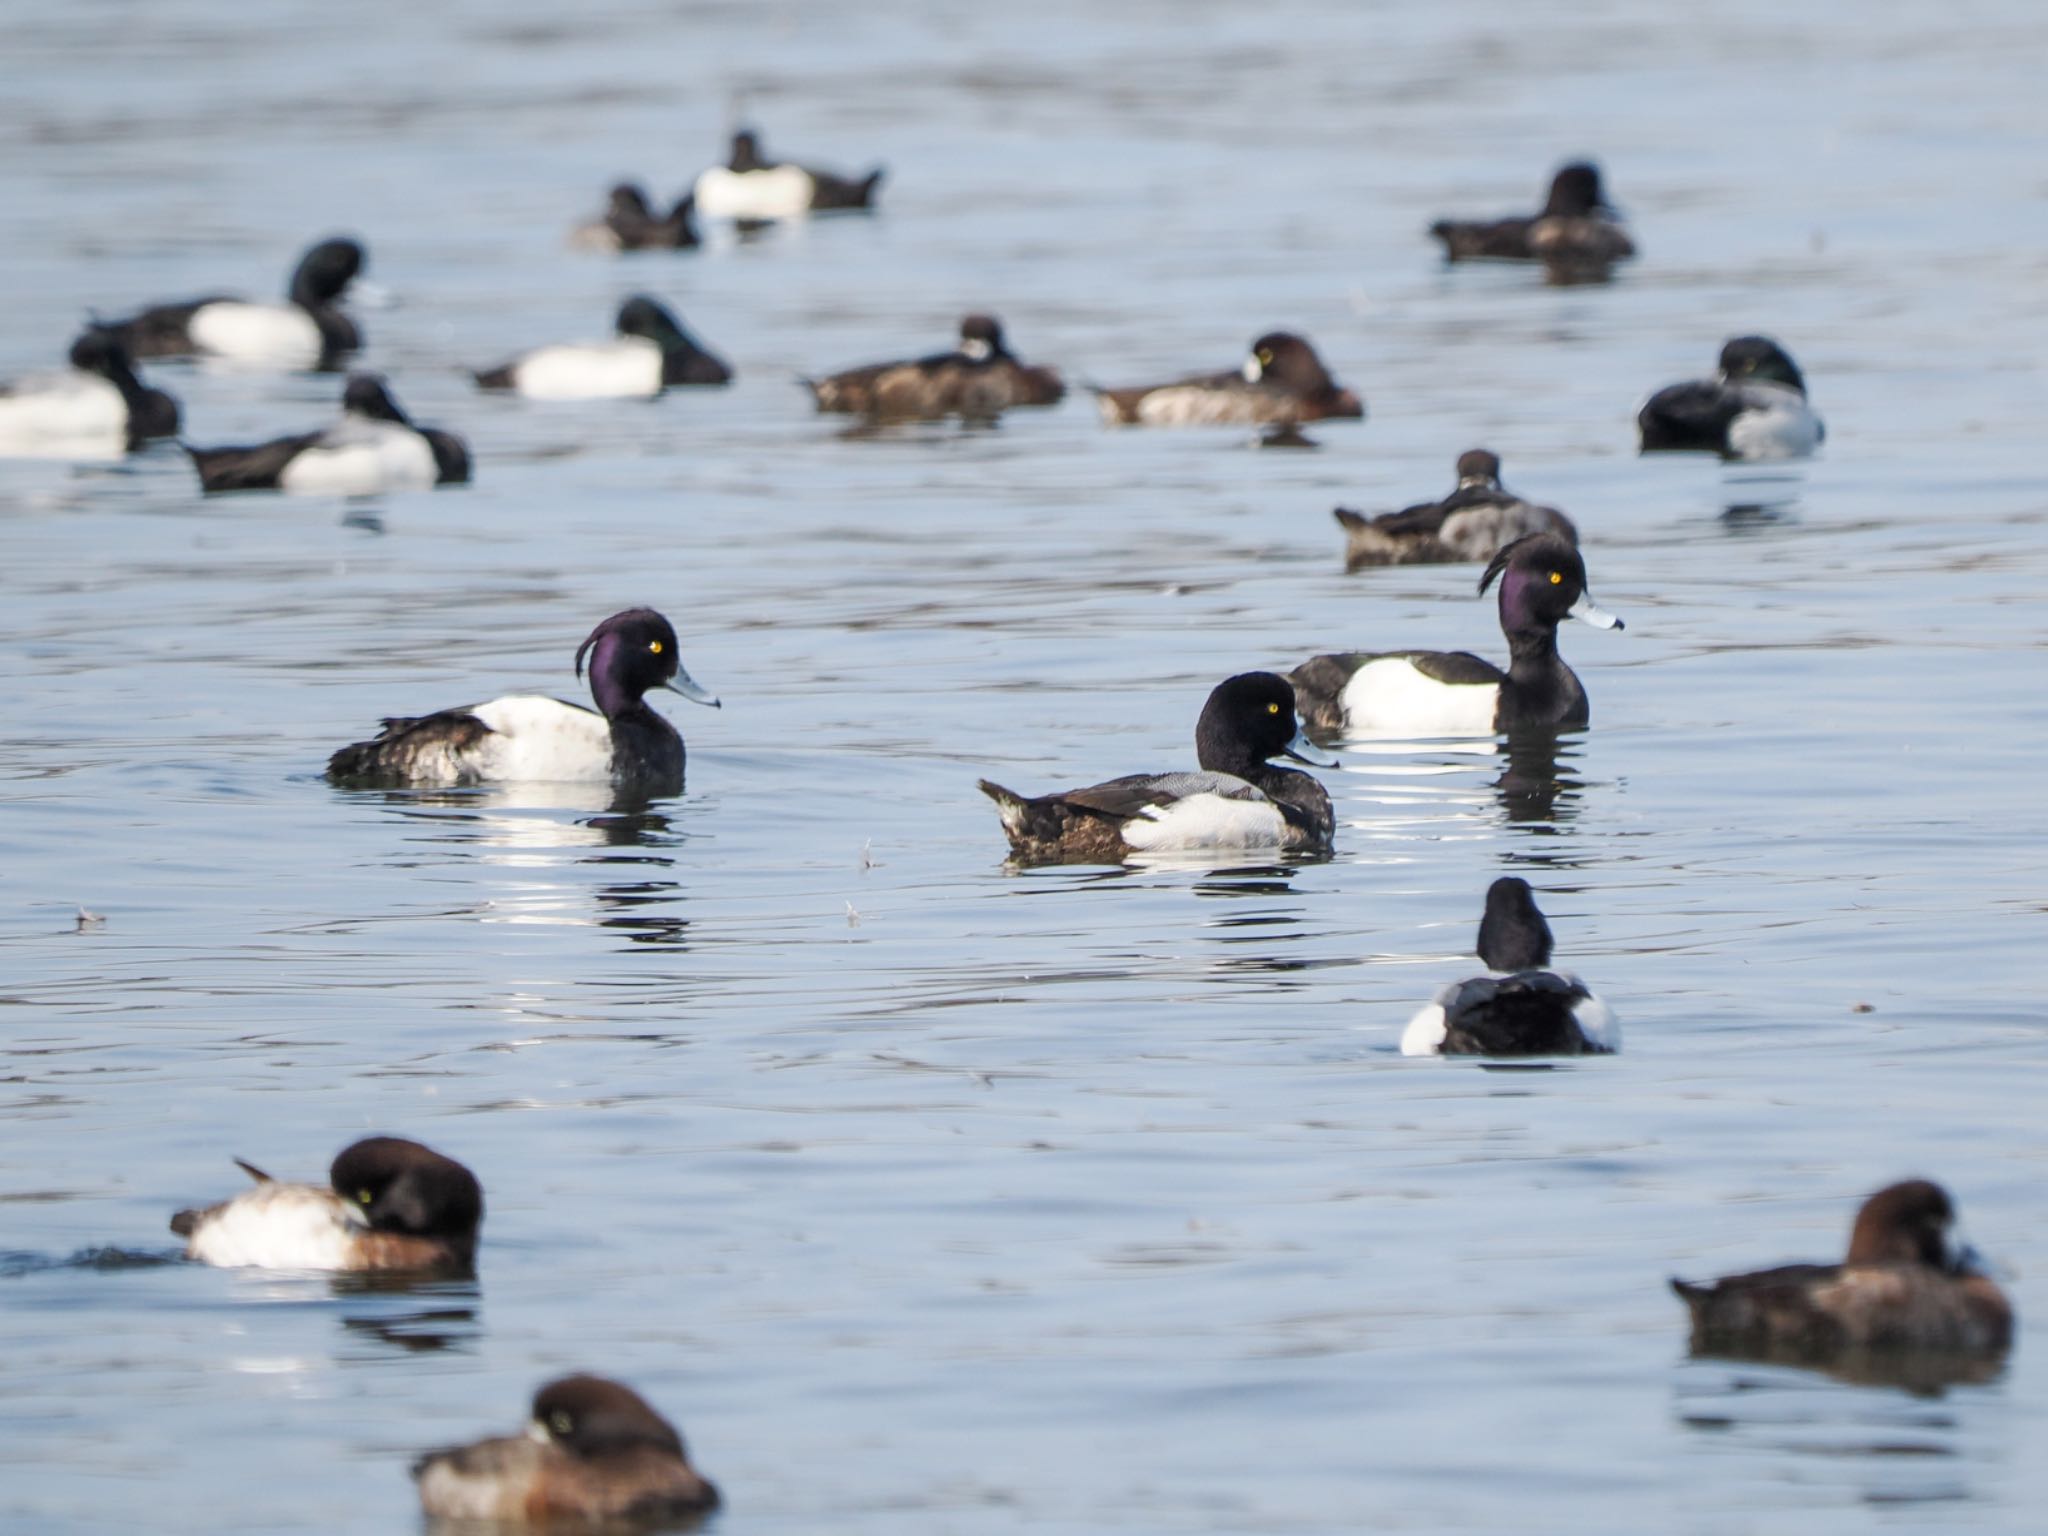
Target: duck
[
  {"x": 1472, "y": 523},
  {"x": 981, "y": 378},
  {"x": 1454, "y": 693},
  {"x": 593, "y": 1455},
  {"x": 530, "y": 737},
  {"x": 373, "y": 448},
  {"x": 1903, "y": 1288},
  {"x": 652, "y": 353},
  {"x": 1521, "y": 1008},
  {"x": 1280, "y": 383},
  {"x": 389, "y": 1205},
  {"x": 98, "y": 407},
  {"x": 1577, "y": 234},
  {"x": 1238, "y": 801},
  {"x": 631, "y": 224},
  {"x": 1753, "y": 408},
  {"x": 309, "y": 332},
  {"x": 750, "y": 186}
]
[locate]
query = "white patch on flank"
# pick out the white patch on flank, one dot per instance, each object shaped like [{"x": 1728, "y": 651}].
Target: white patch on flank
[
  {"x": 360, "y": 458},
  {"x": 1206, "y": 821},
  {"x": 1202, "y": 405},
  {"x": 63, "y": 415},
  {"x": 1776, "y": 423},
  {"x": 279, "y": 1226},
  {"x": 1595, "y": 1019},
  {"x": 1424, "y": 1035},
  {"x": 976, "y": 349},
  {"x": 604, "y": 370},
  {"x": 1390, "y": 696},
  {"x": 536, "y": 737},
  {"x": 779, "y": 192},
  {"x": 274, "y": 335}
]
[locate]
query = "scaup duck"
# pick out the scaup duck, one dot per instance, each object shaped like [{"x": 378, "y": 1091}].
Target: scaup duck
[
  {"x": 1754, "y": 408},
  {"x": 1471, "y": 523},
  {"x": 373, "y": 448},
  {"x": 1238, "y": 801},
  {"x": 1280, "y": 383},
  {"x": 652, "y": 353},
  {"x": 389, "y": 1205},
  {"x": 593, "y": 1455},
  {"x": 1523, "y": 1008},
  {"x": 981, "y": 378},
  {"x": 631, "y": 224},
  {"x": 309, "y": 332},
  {"x": 1903, "y": 1288},
  {"x": 98, "y": 407},
  {"x": 1577, "y": 233},
  {"x": 751, "y": 186},
  {"x": 525, "y": 736},
  {"x": 1454, "y": 693}
]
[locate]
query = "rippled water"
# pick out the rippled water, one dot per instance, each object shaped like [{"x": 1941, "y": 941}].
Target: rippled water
[{"x": 925, "y": 1194}]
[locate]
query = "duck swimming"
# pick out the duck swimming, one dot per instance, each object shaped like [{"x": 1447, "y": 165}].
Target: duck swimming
[
  {"x": 309, "y": 332},
  {"x": 1903, "y": 1288},
  {"x": 1454, "y": 693},
  {"x": 631, "y": 224},
  {"x": 1577, "y": 234},
  {"x": 652, "y": 353},
  {"x": 1753, "y": 408},
  {"x": 593, "y": 1456},
  {"x": 1472, "y": 523},
  {"x": 1238, "y": 801},
  {"x": 373, "y": 448},
  {"x": 389, "y": 1205},
  {"x": 1522, "y": 1008},
  {"x": 97, "y": 408},
  {"x": 980, "y": 378},
  {"x": 535, "y": 738},
  {"x": 751, "y": 186},
  {"x": 1280, "y": 383}
]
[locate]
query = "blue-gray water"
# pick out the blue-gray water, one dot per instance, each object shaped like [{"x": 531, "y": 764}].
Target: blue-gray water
[{"x": 927, "y": 1196}]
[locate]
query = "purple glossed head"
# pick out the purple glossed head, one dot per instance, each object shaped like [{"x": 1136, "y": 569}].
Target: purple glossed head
[
  {"x": 1542, "y": 583},
  {"x": 631, "y": 652}
]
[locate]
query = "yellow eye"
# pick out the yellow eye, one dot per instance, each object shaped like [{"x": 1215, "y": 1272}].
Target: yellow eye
[
  {"x": 561, "y": 1421},
  {"x": 1556, "y": 578},
  {"x": 365, "y": 1196},
  {"x": 1265, "y": 354},
  {"x": 654, "y": 646},
  {"x": 1272, "y": 709}
]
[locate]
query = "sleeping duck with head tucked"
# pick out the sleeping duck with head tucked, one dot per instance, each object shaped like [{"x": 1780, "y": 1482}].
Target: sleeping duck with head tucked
[{"x": 1239, "y": 801}]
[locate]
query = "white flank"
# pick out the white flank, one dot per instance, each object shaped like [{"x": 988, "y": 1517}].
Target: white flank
[
  {"x": 63, "y": 415},
  {"x": 1596, "y": 1020},
  {"x": 271, "y": 335},
  {"x": 1206, "y": 821},
  {"x": 1777, "y": 424},
  {"x": 536, "y": 737},
  {"x": 1390, "y": 696},
  {"x": 1198, "y": 405},
  {"x": 1424, "y": 1035},
  {"x": 627, "y": 368},
  {"x": 361, "y": 458},
  {"x": 279, "y": 1226},
  {"x": 779, "y": 192}
]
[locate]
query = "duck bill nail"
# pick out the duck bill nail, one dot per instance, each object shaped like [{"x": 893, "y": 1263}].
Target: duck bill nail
[
  {"x": 1302, "y": 750},
  {"x": 1588, "y": 612},
  {"x": 691, "y": 689}
]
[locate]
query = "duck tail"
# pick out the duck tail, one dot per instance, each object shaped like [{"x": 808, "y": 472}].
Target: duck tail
[
  {"x": 185, "y": 1223},
  {"x": 493, "y": 378},
  {"x": 1009, "y": 805}
]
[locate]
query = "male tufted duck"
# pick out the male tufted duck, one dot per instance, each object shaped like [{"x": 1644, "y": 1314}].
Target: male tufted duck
[
  {"x": 389, "y": 1205},
  {"x": 751, "y": 186},
  {"x": 594, "y": 1455},
  {"x": 97, "y": 408},
  {"x": 309, "y": 332},
  {"x": 1753, "y": 408},
  {"x": 1454, "y": 693},
  {"x": 652, "y": 353},
  {"x": 1280, "y": 383},
  {"x": 525, "y": 736},
  {"x": 1522, "y": 1008},
  {"x": 1238, "y": 801},
  {"x": 373, "y": 448},
  {"x": 1903, "y": 1289},
  {"x": 1472, "y": 523},
  {"x": 981, "y": 378}
]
